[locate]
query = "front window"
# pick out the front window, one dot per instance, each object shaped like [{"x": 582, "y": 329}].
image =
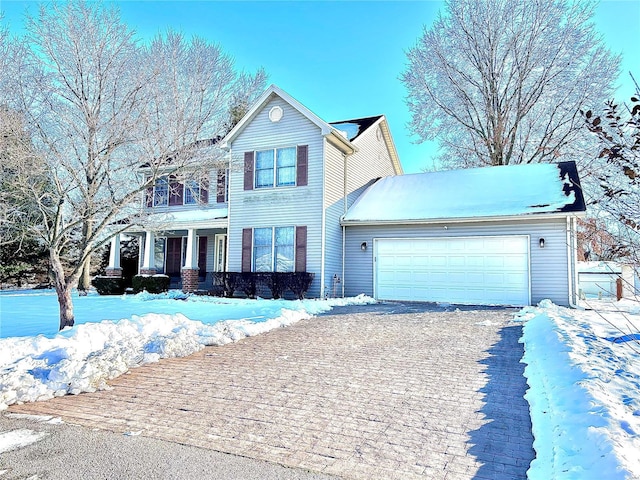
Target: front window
[
  {"x": 191, "y": 192},
  {"x": 158, "y": 254},
  {"x": 275, "y": 167},
  {"x": 161, "y": 193},
  {"x": 284, "y": 249},
  {"x": 262, "y": 254},
  {"x": 273, "y": 249}
]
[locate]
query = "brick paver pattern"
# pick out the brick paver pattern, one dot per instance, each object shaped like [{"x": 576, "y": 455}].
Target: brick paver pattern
[{"x": 435, "y": 395}]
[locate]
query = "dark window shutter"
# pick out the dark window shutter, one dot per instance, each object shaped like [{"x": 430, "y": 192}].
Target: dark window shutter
[
  {"x": 176, "y": 189},
  {"x": 247, "y": 235},
  {"x": 148, "y": 195},
  {"x": 248, "y": 170},
  {"x": 302, "y": 165},
  {"x": 221, "y": 189},
  {"x": 202, "y": 256},
  {"x": 301, "y": 249},
  {"x": 204, "y": 189}
]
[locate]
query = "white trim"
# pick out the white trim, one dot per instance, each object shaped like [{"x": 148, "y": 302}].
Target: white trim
[
  {"x": 408, "y": 238},
  {"x": 572, "y": 259},
  {"x": 216, "y": 260},
  {"x": 323, "y": 221},
  {"x": 436, "y": 221},
  {"x": 263, "y": 100},
  {"x": 275, "y": 167},
  {"x": 326, "y": 129}
]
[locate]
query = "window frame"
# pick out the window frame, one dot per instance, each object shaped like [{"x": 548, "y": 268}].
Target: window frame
[
  {"x": 194, "y": 193},
  {"x": 274, "y": 249},
  {"x": 157, "y": 195},
  {"x": 275, "y": 168},
  {"x": 161, "y": 192}
]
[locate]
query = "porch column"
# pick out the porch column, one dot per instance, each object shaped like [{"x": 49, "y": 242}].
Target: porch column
[
  {"x": 114, "y": 269},
  {"x": 149, "y": 262},
  {"x": 190, "y": 267}
]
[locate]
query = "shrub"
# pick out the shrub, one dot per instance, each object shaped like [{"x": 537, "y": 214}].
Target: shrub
[
  {"x": 152, "y": 284},
  {"x": 108, "y": 285},
  {"x": 249, "y": 283},
  {"x": 299, "y": 283}
]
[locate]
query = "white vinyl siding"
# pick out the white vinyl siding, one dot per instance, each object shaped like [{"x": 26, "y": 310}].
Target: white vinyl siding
[
  {"x": 371, "y": 161},
  {"x": 548, "y": 265},
  {"x": 278, "y": 207}
]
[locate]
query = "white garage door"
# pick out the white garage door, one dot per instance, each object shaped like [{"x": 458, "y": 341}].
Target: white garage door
[{"x": 467, "y": 270}]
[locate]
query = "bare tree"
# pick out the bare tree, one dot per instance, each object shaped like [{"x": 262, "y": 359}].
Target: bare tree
[
  {"x": 499, "y": 82},
  {"x": 98, "y": 105},
  {"x": 618, "y": 132}
]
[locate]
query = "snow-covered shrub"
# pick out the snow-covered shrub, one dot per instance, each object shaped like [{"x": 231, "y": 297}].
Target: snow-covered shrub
[
  {"x": 152, "y": 284},
  {"x": 108, "y": 285}
]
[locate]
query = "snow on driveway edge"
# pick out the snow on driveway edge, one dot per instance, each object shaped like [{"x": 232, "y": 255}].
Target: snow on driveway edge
[{"x": 569, "y": 426}]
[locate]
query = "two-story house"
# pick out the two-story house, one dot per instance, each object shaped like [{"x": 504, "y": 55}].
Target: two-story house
[
  {"x": 299, "y": 194},
  {"x": 291, "y": 177}
]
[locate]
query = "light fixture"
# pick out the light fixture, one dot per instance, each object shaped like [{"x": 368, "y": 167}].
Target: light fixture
[
  {"x": 541, "y": 242},
  {"x": 363, "y": 246}
]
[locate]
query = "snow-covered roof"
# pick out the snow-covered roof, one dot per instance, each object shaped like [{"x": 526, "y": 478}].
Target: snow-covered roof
[
  {"x": 354, "y": 127},
  {"x": 182, "y": 219},
  {"x": 503, "y": 191},
  {"x": 600, "y": 267}
]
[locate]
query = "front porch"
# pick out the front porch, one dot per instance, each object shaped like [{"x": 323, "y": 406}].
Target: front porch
[{"x": 188, "y": 257}]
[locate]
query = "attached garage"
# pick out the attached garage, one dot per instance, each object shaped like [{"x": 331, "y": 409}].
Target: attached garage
[
  {"x": 487, "y": 270},
  {"x": 482, "y": 236}
]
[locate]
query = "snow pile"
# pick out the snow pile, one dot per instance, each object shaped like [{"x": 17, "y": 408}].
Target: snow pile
[
  {"x": 584, "y": 391},
  {"x": 85, "y": 357},
  {"x": 14, "y": 439}
]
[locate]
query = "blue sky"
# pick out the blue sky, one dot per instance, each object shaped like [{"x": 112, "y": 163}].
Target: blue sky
[{"x": 342, "y": 59}]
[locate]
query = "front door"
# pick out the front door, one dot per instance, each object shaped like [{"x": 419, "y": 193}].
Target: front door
[{"x": 174, "y": 256}]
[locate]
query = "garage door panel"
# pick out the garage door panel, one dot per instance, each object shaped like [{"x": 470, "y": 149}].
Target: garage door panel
[{"x": 472, "y": 270}]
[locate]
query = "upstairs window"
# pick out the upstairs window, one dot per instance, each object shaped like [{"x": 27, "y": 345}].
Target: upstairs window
[
  {"x": 275, "y": 167},
  {"x": 191, "y": 192},
  {"x": 169, "y": 191},
  {"x": 161, "y": 193}
]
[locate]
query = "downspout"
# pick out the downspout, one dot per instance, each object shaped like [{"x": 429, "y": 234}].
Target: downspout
[
  {"x": 323, "y": 229},
  {"x": 572, "y": 259},
  {"x": 344, "y": 229}
]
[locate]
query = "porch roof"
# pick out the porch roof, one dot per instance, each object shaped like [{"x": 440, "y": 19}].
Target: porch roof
[{"x": 187, "y": 219}]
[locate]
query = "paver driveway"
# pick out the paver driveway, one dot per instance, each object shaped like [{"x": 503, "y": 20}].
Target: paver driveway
[{"x": 379, "y": 392}]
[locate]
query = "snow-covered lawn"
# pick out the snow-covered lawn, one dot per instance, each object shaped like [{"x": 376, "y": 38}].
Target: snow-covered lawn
[
  {"x": 139, "y": 329},
  {"x": 583, "y": 370}
]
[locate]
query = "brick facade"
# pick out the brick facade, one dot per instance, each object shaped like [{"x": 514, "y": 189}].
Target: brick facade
[
  {"x": 189, "y": 280},
  {"x": 113, "y": 272}
]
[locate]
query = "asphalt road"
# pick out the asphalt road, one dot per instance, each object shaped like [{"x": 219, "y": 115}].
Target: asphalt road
[{"x": 73, "y": 452}]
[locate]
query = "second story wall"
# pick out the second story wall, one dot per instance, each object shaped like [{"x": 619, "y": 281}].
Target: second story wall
[
  {"x": 371, "y": 161},
  {"x": 273, "y": 206}
]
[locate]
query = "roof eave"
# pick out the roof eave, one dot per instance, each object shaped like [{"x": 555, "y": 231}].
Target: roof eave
[
  {"x": 325, "y": 128},
  {"x": 495, "y": 218},
  {"x": 340, "y": 142}
]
